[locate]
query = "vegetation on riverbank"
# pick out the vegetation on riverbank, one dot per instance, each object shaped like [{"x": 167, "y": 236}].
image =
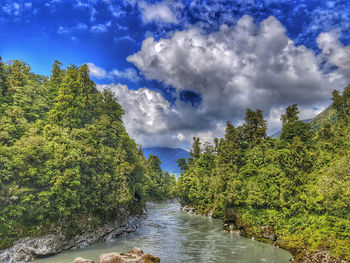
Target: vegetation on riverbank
[
  {"x": 66, "y": 162},
  {"x": 299, "y": 183}
]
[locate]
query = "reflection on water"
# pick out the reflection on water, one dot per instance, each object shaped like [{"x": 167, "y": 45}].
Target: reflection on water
[{"x": 176, "y": 237}]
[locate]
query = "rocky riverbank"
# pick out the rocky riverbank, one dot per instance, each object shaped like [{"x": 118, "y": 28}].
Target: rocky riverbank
[
  {"x": 29, "y": 248},
  {"x": 232, "y": 223},
  {"x": 135, "y": 255}
]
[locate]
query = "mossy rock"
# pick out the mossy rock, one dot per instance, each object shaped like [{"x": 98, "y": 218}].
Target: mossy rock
[{"x": 150, "y": 259}]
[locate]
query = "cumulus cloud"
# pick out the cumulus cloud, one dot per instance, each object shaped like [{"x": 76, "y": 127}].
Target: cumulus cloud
[
  {"x": 159, "y": 12},
  {"x": 239, "y": 67},
  {"x": 334, "y": 53},
  {"x": 152, "y": 121},
  {"x": 128, "y": 73},
  {"x": 96, "y": 71}
]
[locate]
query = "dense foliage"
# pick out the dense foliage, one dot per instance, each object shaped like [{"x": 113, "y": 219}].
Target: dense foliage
[
  {"x": 66, "y": 161},
  {"x": 299, "y": 184}
]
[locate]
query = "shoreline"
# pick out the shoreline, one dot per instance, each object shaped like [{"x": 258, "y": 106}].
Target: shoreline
[
  {"x": 29, "y": 249},
  {"x": 268, "y": 235}
]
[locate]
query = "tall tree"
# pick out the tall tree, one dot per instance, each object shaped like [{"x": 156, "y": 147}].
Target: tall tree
[
  {"x": 76, "y": 100},
  {"x": 19, "y": 73},
  {"x": 341, "y": 102},
  {"x": 292, "y": 127},
  {"x": 254, "y": 127},
  {"x": 196, "y": 148},
  {"x": 291, "y": 114}
]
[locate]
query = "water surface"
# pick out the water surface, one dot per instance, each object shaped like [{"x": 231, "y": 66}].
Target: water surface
[{"x": 176, "y": 237}]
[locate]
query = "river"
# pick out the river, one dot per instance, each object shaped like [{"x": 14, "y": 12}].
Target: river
[{"x": 177, "y": 237}]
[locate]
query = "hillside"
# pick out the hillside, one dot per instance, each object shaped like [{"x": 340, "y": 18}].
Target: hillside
[
  {"x": 168, "y": 157},
  {"x": 67, "y": 163},
  {"x": 297, "y": 186},
  {"x": 328, "y": 115}
]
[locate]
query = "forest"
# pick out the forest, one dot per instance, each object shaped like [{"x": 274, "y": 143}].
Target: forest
[
  {"x": 67, "y": 164},
  {"x": 299, "y": 184},
  {"x": 66, "y": 160}
]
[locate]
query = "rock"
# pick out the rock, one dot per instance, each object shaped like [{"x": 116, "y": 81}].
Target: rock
[
  {"x": 268, "y": 232},
  {"x": 83, "y": 260},
  {"x": 188, "y": 209},
  {"x": 135, "y": 255},
  {"x": 149, "y": 259},
  {"x": 27, "y": 249},
  {"x": 236, "y": 232},
  {"x": 231, "y": 228},
  {"x": 110, "y": 258},
  {"x": 136, "y": 251}
]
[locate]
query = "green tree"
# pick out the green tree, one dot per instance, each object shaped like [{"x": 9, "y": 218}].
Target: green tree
[
  {"x": 196, "y": 148},
  {"x": 254, "y": 127},
  {"x": 76, "y": 101},
  {"x": 291, "y": 114},
  {"x": 296, "y": 129},
  {"x": 341, "y": 102}
]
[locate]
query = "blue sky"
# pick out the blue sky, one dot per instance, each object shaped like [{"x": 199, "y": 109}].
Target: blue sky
[{"x": 111, "y": 36}]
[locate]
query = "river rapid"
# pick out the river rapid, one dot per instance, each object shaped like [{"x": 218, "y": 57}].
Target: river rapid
[{"x": 176, "y": 237}]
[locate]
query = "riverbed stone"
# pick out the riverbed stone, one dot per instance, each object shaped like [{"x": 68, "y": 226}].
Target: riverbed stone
[
  {"x": 136, "y": 251},
  {"x": 188, "y": 209},
  {"x": 135, "y": 255},
  {"x": 83, "y": 260}
]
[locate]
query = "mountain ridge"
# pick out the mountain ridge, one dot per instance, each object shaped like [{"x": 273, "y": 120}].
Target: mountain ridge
[{"x": 168, "y": 157}]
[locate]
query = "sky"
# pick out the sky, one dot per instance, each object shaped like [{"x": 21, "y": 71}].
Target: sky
[{"x": 183, "y": 68}]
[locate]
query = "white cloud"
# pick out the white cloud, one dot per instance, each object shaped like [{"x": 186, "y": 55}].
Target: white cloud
[
  {"x": 124, "y": 38},
  {"x": 334, "y": 53},
  {"x": 80, "y": 27},
  {"x": 96, "y": 71},
  {"x": 69, "y": 30},
  {"x": 246, "y": 65},
  {"x": 99, "y": 28},
  {"x": 16, "y": 9},
  {"x": 152, "y": 121},
  {"x": 128, "y": 73},
  {"x": 160, "y": 12}
]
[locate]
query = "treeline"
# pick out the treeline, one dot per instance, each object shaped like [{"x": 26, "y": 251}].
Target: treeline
[
  {"x": 66, "y": 161},
  {"x": 299, "y": 183}
]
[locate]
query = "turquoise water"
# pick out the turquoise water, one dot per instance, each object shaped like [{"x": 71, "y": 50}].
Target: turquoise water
[{"x": 176, "y": 237}]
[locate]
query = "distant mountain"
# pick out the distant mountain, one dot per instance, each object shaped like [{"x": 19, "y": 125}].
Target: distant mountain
[
  {"x": 328, "y": 115},
  {"x": 276, "y": 135},
  {"x": 168, "y": 157}
]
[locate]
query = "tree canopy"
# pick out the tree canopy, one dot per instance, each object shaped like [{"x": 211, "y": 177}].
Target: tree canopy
[
  {"x": 299, "y": 183},
  {"x": 66, "y": 160}
]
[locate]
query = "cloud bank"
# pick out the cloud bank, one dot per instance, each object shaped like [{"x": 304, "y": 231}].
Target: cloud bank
[{"x": 238, "y": 67}]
